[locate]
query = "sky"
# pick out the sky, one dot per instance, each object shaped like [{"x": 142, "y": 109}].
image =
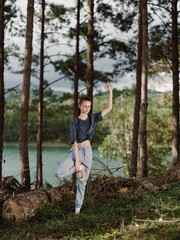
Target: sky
[{"x": 160, "y": 83}]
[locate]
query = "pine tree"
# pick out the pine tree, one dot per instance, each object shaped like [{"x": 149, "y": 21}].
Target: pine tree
[
  {"x": 1, "y": 83},
  {"x": 39, "y": 175},
  {"x": 90, "y": 61},
  {"x": 175, "y": 70},
  {"x": 23, "y": 138},
  {"x": 134, "y": 153},
  {"x": 143, "y": 107}
]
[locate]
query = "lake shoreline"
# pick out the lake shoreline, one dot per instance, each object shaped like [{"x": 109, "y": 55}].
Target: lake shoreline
[{"x": 45, "y": 144}]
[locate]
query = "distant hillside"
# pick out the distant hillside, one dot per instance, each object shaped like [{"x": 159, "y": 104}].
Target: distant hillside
[
  {"x": 16, "y": 94},
  {"x": 154, "y": 94}
]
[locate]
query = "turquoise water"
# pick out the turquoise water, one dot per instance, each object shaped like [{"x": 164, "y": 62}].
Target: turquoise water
[{"x": 52, "y": 156}]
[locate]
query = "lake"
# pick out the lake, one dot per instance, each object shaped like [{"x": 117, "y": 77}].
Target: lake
[{"x": 52, "y": 156}]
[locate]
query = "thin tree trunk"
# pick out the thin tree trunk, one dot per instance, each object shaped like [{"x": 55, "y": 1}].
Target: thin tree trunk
[
  {"x": 134, "y": 153},
  {"x": 1, "y": 83},
  {"x": 90, "y": 38},
  {"x": 23, "y": 139},
  {"x": 77, "y": 60},
  {"x": 175, "y": 69},
  {"x": 143, "y": 108},
  {"x": 39, "y": 175},
  {"x": 76, "y": 70}
]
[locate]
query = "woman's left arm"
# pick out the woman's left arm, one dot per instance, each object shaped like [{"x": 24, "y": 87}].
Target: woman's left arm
[{"x": 109, "y": 106}]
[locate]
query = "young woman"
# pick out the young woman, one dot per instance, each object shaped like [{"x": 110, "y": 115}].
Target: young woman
[{"x": 80, "y": 155}]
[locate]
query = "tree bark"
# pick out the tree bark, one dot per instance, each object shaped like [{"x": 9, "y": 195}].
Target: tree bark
[
  {"x": 90, "y": 38},
  {"x": 134, "y": 152},
  {"x": 175, "y": 70},
  {"x": 23, "y": 138},
  {"x": 23, "y": 206},
  {"x": 39, "y": 175},
  {"x": 76, "y": 94},
  {"x": 1, "y": 83},
  {"x": 143, "y": 108},
  {"x": 77, "y": 60}
]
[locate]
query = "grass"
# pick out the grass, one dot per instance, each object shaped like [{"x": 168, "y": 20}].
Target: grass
[{"x": 111, "y": 216}]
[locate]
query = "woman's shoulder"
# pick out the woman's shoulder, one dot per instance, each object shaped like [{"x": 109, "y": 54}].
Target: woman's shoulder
[
  {"x": 97, "y": 116},
  {"x": 74, "y": 121}
]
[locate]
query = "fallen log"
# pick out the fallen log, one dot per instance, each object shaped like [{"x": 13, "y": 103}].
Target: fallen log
[{"x": 22, "y": 206}]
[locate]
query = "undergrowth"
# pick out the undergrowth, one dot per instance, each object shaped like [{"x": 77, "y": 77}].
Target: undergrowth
[{"x": 108, "y": 216}]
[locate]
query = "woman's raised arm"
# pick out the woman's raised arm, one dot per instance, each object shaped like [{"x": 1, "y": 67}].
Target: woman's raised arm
[{"x": 109, "y": 106}]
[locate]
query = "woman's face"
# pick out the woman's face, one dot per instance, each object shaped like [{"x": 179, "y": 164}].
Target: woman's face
[{"x": 85, "y": 107}]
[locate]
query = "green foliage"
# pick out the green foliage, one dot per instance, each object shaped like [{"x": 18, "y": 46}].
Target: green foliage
[
  {"x": 10, "y": 10},
  {"x": 118, "y": 141},
  {"x": 66, "y": 96},
  {"x": 11, "y": 126},
  {"x": 159, "y": 127},
  {"x": 114, "y": 133},
  {"x": 57, "y": 11},
  {"x": 57, "y": 117},
  {"x": 67, "y": 68}
]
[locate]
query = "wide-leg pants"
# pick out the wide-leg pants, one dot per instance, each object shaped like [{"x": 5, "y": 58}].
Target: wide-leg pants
[{"x": 67, "y": 167}]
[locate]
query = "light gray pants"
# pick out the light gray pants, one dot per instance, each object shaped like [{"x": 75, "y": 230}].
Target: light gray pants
[{"x": 67, "y": 167}]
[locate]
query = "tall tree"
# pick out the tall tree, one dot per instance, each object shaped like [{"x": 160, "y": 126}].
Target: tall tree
[
  {"x": 134, "y": 151},
  {"x": 77, "y": 59},
  {"x": 102, "y": 44},
  {"x": 175, "y": 70},
  {"x": 39, "y": 175},
  {"x": 23, "y": 138},
  {"x": 143, "y": 107},
  {"x": 76, "y": 69},
  {"x": 90, "y": 39},
  {"x": 1, "y": 82}
]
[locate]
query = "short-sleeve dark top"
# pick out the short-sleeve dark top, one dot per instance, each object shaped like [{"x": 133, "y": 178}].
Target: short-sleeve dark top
[{"x": 82, "y": 130}]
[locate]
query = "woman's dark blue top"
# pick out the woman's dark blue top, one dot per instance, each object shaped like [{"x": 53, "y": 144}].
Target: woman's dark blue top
[{"x": 82, "y": 130}]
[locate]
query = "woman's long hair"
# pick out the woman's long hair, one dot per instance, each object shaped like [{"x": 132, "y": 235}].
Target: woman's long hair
[{"x": 82, "y": 99}]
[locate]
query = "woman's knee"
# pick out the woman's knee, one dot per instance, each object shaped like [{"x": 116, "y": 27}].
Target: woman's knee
[{"x": 59, "y": 173}]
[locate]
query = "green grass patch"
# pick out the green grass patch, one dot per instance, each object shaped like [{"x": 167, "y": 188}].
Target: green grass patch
[{"x": 111, "y": 216}]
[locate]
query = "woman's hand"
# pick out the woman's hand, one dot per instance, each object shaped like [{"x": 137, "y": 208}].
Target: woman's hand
[
  {"x": 77, "y": 166},
  {"x": 107, "y": 86}
]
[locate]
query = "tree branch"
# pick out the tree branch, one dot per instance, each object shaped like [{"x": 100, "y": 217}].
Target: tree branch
[
  {"x": 11, "y": 89},
  {"x": 159, "y": 6},
  {"x": 157, "y": 221},
  {"x": 59, "y": 79}
]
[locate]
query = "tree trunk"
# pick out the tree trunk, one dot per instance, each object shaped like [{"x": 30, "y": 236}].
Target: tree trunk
[
  {"x": 39, "y": 175},
  {"x": 175, "y": 69},
  {"x": 76, "y": 70},
  {"x": 143, "y": 108},
  {"x": 134, "y": 153},
  {"x": 77, "y": 60},
  {"x": 1, "y": 83},
  {"x": 23, "y": 138},
  {"x": 23, "y": 206},
  {"x": 90, "y": 38}
]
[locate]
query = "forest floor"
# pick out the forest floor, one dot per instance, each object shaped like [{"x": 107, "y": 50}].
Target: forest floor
[{"x": 125, "y": 214}]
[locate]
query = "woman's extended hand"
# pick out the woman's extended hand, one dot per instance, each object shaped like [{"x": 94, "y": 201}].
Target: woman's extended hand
[{"x": 107, "y": 86}]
